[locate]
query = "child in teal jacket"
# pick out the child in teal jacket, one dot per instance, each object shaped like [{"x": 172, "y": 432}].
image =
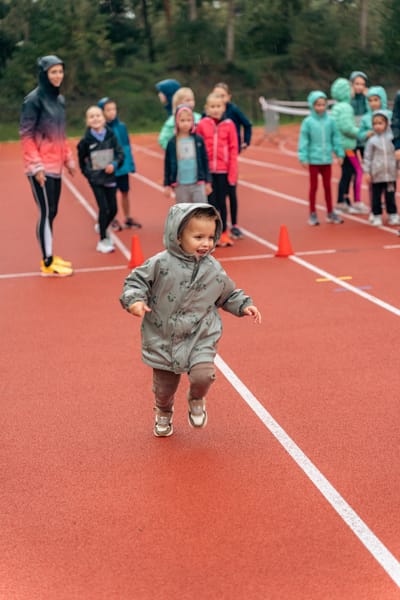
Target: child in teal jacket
[{"x": 318, "y": 140}]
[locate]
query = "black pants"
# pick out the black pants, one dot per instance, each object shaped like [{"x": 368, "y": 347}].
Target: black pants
[
  {"x": 233, "y": 203},
  {"x": 47, "y": 199},
  {"x": 389, "y": 190},
  {"x": 106, "y": 198},
  {"x": 217, "y": 198}
]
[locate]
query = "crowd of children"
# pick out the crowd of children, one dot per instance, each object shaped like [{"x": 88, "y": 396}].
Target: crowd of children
[{"x": 365, "y": 137}]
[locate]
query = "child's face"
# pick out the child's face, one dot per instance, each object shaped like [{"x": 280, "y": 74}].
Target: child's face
[
  {"x": 215, "y": 108},
  {"x": 110, "y": 111},
  {"x": 95, "y": 118},
  {"x": 359, "y": 85},
  {"x": 162, "y": 97},
  {"x": 188, "y": 100},
  {"x": 198, "y": 237},
  {"x": 374, "y": 102},
  {"x": 184, "y": 123},
  {"x": 379, "y": 124},
  {"x": 225, "y": 97},
  {"x": 320, "y": 106},
  {"x": 55, "y": 75}
]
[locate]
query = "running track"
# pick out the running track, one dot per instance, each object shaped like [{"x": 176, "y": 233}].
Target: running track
[{"x": 292, "y": 490}]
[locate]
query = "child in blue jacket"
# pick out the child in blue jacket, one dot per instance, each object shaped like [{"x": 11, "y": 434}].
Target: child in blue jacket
[
  {"x": 319, "y": 139},
  {"x": 109, "y": 108}
]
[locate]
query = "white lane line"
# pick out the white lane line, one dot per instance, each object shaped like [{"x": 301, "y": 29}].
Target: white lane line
[
  {"x": 371, "y": 542},
  {"x": 382, "y": 555},
  {"x": 83, "y": 270}
]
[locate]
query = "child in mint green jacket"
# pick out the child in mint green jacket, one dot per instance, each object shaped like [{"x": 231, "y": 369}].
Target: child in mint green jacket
[{"x": 318, "y": 140}]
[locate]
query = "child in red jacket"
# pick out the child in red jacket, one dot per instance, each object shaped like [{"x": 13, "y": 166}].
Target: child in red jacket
[{"x": 221, "y": 142}]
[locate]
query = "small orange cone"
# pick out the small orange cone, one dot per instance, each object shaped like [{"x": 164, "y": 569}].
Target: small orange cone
[
  {"x": 137, "y": 257},
  {"x": 284, "y": 246}
]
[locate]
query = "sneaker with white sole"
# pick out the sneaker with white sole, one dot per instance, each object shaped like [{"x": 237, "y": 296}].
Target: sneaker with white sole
[
  {"x": 358, "y": 208},
  {"x": 104, "y": 246},
  {"x": 163, "y": 426},
  {"x": 332, "y": 217},
  {"x": 343, "y": 207},
  {"x": 313, "y": 219},
  {"x": 393, "y": 219},
  {"x": 376, "y": 221},
  {"x": 197, "y": 414}
]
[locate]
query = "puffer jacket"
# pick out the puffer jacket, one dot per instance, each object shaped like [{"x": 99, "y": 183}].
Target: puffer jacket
[
  {"x": 222, "y": 146},
  {"x": 42, "y": 126},
  {"x": 121, "y": 133},
  {"x": 184, "y": 295},
  {"x": 343, "y": 113},
  {"x": 319, "y": 136},
  {"x": 379, "y": 158},
  {"x": 88, "y": 146},
  {"x": 366, "y": 121}
]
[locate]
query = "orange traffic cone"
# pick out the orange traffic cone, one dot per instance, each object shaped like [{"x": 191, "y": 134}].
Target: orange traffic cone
[
  {"x": 137, "y": 257},
  {"x": 284, "y": 246}
]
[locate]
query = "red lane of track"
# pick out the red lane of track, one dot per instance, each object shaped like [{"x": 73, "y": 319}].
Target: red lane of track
[{"x": 93, "y": 506}]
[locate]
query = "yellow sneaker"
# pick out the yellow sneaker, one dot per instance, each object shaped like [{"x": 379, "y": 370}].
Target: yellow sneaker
[
  {"x": 55, "y": 270},
  {"x": 60, "y": 261}
]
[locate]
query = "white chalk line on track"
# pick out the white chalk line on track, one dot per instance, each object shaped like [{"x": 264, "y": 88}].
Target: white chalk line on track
[
  {"x": 370, "y": 541},
  {"x": 83, "y": 270}
]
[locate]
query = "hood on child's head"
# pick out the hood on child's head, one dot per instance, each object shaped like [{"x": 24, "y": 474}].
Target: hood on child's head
[
  {"x": 177, "y": 214},
  {"x": 341, "y": 90},
  {"x": 378, "y": 90},
  {"x": 101, "y": 103},
  {"x": 356, "y": 74},
  {"x": 168, "y": 87},
  {"x": 313, "y": 97},
  {"x": 381, "y": 113},
  {"x": 180, "y": 108}
]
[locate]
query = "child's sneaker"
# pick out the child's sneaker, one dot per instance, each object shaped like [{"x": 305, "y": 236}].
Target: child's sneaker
[
  {"x": 104, "y": 246},
  {"x": 163, "y": 426},
  {"x": 332, "y": 217},
  {"x": 313, "y": 219},
  {"x": 224, "y": 240},
  {"x": 394, "y": 219},
  {"x": 55, "y": 270},
  {"x": 60, "y": 261},
  {"x": 236, "y": 233},
  {"x": 116, "y": 225},
  {"x": 197, "y": 414},
  {"x": 129, "y": 222},
  {"x": 358, "y": 208},
  {"x": 343, "y": 207},
  {"x": 376, "y": 221}
]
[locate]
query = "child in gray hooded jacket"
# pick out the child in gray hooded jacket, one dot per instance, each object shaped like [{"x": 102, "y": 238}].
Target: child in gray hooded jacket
[
  {"x": 380, "y": 169},
  {"x": 178, "y": 292}
]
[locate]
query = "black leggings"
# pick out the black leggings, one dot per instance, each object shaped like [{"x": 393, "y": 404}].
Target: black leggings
[
  {"x": 217, "y": 198},
  {"x": 233, "y": 203},
  {"x": 47, "y": 199},
  {"x": 106, "y": 198}
]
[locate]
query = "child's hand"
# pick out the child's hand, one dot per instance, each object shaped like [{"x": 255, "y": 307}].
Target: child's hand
[
  {"x": 138, "y": 309},
  {"x": 71, "y": 170},
  {"x": 109, "y": 169},
  {"x": 168, "y": 191},
  {"x": 367, "y": 178},
  {"x": 304, "y": 165},
  {"x": 252, "y": 311},
  {"x": 340, "y": 161},
  {"x": 208, "y": 189},
  {"x": 397, "y": 154}
]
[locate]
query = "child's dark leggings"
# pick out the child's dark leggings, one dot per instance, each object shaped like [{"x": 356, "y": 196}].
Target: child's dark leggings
[
  {"x": 106, "y": 198},
  {"x": 325, "y": 171},
  {"x": 389, "y": 190},
  {"x": 217, "y": 198},
  {"x": 233, "y": 203},
  {"x": 47, "y": 199},
  {"x": 165, "y": 384},
  {"x": 350, "y": 167}
]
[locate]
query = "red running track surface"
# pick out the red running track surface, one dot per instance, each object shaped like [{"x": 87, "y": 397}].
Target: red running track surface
[{"x": 297, "y": 499}]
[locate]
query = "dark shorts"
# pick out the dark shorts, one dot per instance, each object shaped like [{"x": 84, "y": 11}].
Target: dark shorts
[{"x": 122, "y": 183}]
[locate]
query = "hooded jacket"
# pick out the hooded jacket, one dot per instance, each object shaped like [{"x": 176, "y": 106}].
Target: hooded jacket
[
  {"x": 168, "y": 87},
  {"x": 184, "y": 294},
  {"x": 343, "y": 113},
  {"x": 121, "y": 133},
  {"x": 366, "y": 121},
  {"x": 379, "y": 159},
  {"x": 42, "y": 125},
  {"x": 222, "y": 146},
  {"x": 89, "y": 145},
  {"x": 396, "y": 121},
  {"x": 319, "y": 136}
]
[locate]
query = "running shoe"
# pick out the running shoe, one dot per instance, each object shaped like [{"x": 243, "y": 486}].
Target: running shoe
[
  {"x": 236, "y": 233},
  {"x": 332, "y": 217},
  {"x": 104, "y": 246},
  {"x": 163, "y": 426},
  {"x": 376, "y": 221},
  {"x": 129, "y": 222},
  {"x": 358, "y": 208},
  {"x": 116, "y": 225},
  {"x": 197, "y": 414},
  {"x": 313, "y": 219},
  {"x": 55, "y": 270},
  {"x": 60, "y": 261},
  {"x": 343, "y": 207},
  {"x": 224, "y": 240},
  {"x": 394, "y": 219}
]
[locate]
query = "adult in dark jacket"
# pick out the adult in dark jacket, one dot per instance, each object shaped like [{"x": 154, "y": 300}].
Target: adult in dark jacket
[
  {"x": 100, "y": 155},
  {"x": 45, "y": 153}
]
